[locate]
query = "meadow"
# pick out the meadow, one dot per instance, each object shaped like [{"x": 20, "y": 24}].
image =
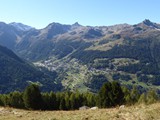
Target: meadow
[{"x": 136, "y": 112}]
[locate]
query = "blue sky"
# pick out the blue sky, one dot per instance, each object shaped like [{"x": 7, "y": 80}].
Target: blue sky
[{"x": 39, "y": 13}]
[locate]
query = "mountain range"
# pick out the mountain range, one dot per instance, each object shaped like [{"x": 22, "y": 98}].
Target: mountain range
[{"x": 84, "y": 57}]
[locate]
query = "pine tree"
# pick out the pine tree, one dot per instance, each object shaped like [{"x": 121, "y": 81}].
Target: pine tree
[
  {"x": 2, "y": 100},
  {"x": 32, "y": 97},
  {"x": 134, "y": 95},
  {"x": 142, "y": 99},
  {"x": 62, "y": 104},
  {"x": 117, "y": 94},
  {"x": 6, "y": 100},
  {"x": 72, "y": 101},
  {"x": 91, "y": 99},
  {"x": 58, "y": 100},
  {"x": 46, "y": 100},
  {"x": 127, "y": 97},
  {"x": 110, "y": 94},
  {"x": 152, "y": 97},
  {"x": 103, "y": 98},
  {"x": 16, "y": 100},
  {"x": 52, "y": 101},
  {"x": 67, "y": 95},
  {"x": 78, "y": 100}
]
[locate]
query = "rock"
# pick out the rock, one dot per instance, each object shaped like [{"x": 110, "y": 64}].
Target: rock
[
  {"x": 122, "y": 107},
  {"x": 94, "y": 108}
]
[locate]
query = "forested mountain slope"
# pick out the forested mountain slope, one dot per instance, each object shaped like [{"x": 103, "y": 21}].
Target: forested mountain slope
[
  {"x": 15, "y": 73},
  {"x": 85, "y": 56}
]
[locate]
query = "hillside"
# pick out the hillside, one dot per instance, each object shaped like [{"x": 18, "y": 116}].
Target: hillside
[
  {"x": 85, "y": 56},
  {"x": 15, "y": 73},
  {"x": 137, "y": 112}
]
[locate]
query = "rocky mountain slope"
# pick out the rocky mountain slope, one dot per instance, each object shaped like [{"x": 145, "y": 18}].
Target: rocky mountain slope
[{"x": 85, "y": 57}]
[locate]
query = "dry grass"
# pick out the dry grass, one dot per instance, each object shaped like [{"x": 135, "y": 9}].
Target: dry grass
[{"x": 138, "y": 112}]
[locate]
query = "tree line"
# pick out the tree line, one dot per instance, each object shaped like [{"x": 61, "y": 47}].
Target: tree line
[{"x": 111, "y": 94}]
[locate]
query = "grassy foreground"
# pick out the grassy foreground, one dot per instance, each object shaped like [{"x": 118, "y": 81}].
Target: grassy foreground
[{"x": 137, "y": 112}]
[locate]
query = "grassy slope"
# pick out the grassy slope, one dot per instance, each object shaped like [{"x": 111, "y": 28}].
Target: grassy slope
[{"x": 140, "y": 112}]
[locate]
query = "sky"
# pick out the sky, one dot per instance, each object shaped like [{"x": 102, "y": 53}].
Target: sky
[{"x": 39, "y": 13}]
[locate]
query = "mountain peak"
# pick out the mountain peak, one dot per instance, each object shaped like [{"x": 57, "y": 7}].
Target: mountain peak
[
  {"x": 147, "y": 22},
  {"x": 54, "y": 25},
  {"x": 2, "y": 23},
  {"x": 20, "y": 26},
  {"x": 76, "y": 24}
]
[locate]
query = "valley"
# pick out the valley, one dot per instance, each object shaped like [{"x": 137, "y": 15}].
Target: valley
[
  {"x": 84, "y": 57},
  {"x": 79, "y": 60}
]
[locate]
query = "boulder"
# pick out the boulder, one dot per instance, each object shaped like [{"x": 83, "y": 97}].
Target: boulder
[{"x": 94, "y": 108}]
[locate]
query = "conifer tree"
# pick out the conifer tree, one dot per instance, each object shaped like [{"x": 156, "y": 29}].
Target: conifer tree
[
  {"x": 58, "y": 100},
  {"x": 32, "y": 97},
  {"x": 67, "y": 95},
  {"x": 117, "y": 94},
  {"x": 152, "y": 96},
  {"x": 72, "y": 101},
  {"x": 142, "y": 99},
  {"x": 110, "y": 94},
  {"x": 127, "y": 97},
  {"x": 62, "y": 105},
  {"x": 52, "y": 100},
  {"x": 16, "y": 100},
  {"x": 1, "y": 100},
  {"x": 46, "y": 100},
  {"x": 134, "y": 95}
]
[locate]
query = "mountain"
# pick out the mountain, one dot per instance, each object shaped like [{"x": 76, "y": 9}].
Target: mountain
[
  {"x": 85, "y": 56},
  {"x": 20, "y": 26},
  {"x": 15, "y": 73},
  {"x": 9, "y": 36},
  {"x": 151, "y": 24}
]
